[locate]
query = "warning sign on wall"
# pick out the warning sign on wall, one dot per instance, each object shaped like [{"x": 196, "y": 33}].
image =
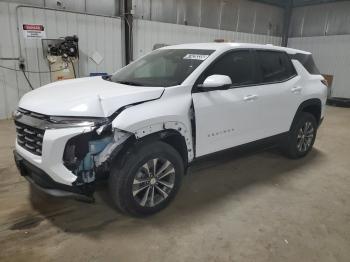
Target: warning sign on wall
[{"x": 33, "y": 31}]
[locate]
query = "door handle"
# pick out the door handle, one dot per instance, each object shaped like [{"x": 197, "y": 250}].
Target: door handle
[
  {"x": 296, "y": 89},
  {"x": 250, "y": 98}
]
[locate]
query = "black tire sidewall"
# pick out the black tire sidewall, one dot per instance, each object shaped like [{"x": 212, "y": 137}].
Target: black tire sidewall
[{"x": 121, "y": 179}]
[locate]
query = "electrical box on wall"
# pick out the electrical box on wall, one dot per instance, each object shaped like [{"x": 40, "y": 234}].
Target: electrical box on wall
[{"x": 63, "y": 56}]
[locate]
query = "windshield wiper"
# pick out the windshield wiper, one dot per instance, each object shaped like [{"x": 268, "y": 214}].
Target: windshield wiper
[{"x": 130, "y": 83}]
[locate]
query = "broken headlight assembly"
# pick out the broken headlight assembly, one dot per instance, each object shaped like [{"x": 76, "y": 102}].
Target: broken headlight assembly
[{"x": 86, "y": 154}]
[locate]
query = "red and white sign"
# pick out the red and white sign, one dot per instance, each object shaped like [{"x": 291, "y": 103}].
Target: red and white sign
[{"x": 33, "y": 31}]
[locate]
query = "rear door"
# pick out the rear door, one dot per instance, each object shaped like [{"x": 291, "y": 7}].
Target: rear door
[{"x": 279, "y": 92}]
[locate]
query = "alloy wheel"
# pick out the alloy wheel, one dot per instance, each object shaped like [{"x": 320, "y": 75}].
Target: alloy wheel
[
  {"x": 305, "y": 137},
  {"x": 153, "y": 182}
]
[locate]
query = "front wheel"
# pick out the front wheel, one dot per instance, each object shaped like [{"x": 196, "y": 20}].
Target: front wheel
[
  {"x": 148, "y": 179},
  {"x": 301, "y": 137}
]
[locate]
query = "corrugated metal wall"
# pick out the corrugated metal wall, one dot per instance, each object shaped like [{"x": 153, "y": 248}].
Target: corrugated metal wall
[
  {"x": 101, "y": 34},
  {"x": 320, "y": 20},
  {"x": 331, "y": 54},
  {"x": 104, "y": 7},
  {"x": 324, "y": 30},
  {"x": 147, "y": 33},
  {"x": 232, "y": 15}
]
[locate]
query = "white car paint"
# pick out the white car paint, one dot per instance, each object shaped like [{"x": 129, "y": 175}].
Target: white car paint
[
  {"x": 89, "y": 96},
  {"x": 214, "y": 80},
  {"x": 223, "y": 118},
  {"x": 53, "y": 148}
]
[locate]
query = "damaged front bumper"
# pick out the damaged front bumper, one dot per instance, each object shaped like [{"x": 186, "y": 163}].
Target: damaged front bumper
[
  {"x": 71, "y": 160},
  {"x": 42, "y": 181}
]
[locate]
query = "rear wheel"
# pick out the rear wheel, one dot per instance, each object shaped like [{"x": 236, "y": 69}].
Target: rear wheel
[
  {"x": 148, "y": 179},
  {"x": 301, "y": 137}
]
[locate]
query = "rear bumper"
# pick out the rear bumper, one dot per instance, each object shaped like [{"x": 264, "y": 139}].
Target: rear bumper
[{"x": 46, "y": 184}]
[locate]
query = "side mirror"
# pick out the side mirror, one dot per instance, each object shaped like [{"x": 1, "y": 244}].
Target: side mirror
[{"x": 216, "y": 81}]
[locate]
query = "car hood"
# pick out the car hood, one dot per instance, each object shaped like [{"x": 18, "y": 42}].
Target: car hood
[{"x": 89, "y": 96}]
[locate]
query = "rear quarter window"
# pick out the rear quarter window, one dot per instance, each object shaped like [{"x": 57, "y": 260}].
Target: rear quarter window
[{"x": 307, "y": 61}]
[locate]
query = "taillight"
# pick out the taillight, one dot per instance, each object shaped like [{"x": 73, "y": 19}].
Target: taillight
[{"x": 325, "y": 82}]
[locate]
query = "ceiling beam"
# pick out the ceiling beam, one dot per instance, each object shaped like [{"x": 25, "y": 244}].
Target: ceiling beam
[
  {"x": 297, "y": 3},
  {"x": 279, "y": 3}
]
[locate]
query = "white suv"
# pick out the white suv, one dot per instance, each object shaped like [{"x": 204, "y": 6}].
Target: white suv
[{"x": 143, "y": 126}]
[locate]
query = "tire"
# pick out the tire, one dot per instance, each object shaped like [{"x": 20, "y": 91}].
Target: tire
[
  {"x": 134, "y": 186},
  {"x": 301, "y": 137}
]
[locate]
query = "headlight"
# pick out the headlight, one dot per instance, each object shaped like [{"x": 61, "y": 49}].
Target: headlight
[{"x": 64, "y": 122}]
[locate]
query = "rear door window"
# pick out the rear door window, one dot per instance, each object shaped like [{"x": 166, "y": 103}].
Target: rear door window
[{"x": 274, "y": 66}]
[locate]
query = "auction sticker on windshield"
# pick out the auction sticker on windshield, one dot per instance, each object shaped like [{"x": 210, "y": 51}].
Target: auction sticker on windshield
[{"x": 196, "y": 57}]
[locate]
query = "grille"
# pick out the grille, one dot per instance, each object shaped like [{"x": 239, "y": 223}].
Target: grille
[{"x": 30, "y": 138}]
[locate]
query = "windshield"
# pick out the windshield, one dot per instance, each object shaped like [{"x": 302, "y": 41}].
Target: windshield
[{"x": 163, "y": 67}]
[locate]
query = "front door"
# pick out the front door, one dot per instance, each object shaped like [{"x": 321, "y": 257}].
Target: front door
[{"x": 227, "y": 118}]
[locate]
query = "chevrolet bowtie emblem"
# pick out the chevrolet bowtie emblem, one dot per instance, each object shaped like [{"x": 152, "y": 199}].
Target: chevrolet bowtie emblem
[{"x": 17, "y": 114}]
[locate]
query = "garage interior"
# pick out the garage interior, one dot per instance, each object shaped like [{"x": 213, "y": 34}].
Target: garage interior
[{"x": 237, "y": 205}]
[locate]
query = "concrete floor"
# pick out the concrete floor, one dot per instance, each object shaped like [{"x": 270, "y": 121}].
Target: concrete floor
[{"x": 232, "y": 207}]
